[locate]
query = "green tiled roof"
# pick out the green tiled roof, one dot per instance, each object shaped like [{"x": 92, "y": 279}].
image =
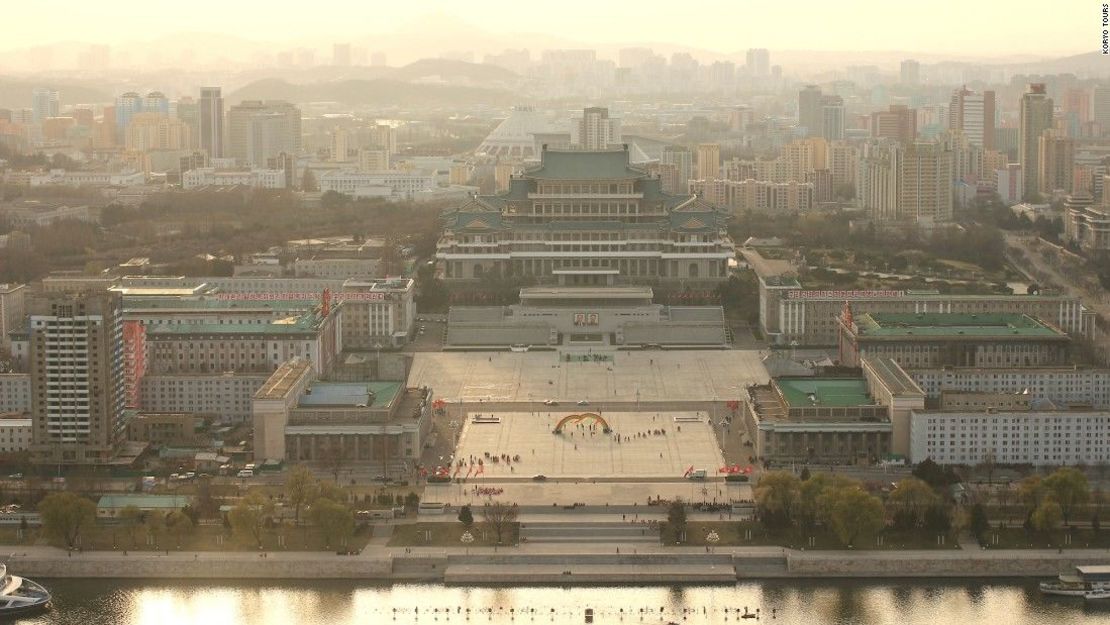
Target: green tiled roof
[
  {"x": 173, "y": 303},
  {"x": 145, "y": 502},
  {"x": 835, "y": 392},
  {"x": 308, "y": 322},
  {"x": 953, "y": 324},
  {"x": 324, "y": 394},
  {"x": 572, "y": 165}
]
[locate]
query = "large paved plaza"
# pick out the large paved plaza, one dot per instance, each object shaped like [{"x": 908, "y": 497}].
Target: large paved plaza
[
  {"x": 650, "y": 445},
  {"x": 628, "y": 376}
]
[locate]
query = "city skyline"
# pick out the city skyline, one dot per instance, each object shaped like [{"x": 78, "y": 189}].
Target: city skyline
[
  {"x": 527, "y": 298},
  {"x": 401, "y": 29}
]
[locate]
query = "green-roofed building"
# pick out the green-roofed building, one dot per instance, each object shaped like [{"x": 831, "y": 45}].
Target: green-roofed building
[
  {"x": 833, "y": 420},
  {"x": 586, "y": 218},
  {"x": 952, "y": 339},
  {"x": 110, "y": 506}
]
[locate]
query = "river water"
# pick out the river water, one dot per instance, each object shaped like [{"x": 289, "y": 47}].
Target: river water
[{"x": 114, "y": 602}]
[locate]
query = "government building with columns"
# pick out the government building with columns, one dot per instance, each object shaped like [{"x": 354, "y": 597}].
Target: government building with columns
[{"x": 586, "y": 218}]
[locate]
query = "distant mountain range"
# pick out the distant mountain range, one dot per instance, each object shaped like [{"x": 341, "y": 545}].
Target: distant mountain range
[
  {"x": 15, "y": 93},
  {"x": 375, "y": 93}
]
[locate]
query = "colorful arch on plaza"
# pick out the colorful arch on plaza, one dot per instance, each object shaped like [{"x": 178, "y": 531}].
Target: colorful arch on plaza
[{"x": 575, "y": 419}]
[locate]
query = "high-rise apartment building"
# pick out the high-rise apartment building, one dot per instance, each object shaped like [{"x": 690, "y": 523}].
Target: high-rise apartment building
[
  {"x": 1056, "y": 162},
  {"x": 1100, "y": 108},
  {"x": 340, "y": 144},
  {"x": 156, "y": 131},
  {"x": 925, "y": 183},
  {"x": 898, "y": 122},
  {"x": 258, "y": 131},
  {"x": 341, "y": 55},
  {"x": 1077, "y": 111},
  {"x": 709, "y": 161},
  {"x": 899, "y": 182},
  {"x": 376, "y": 160},
  {"x": 127, "y": 106},
  {"x": 973, "y": 113},
  {"x": 44, "y": 104},
  {"x": 1035, "y": 118},
  {"x": 843, "y": 159},
  {"x": 832, "y": 118},
  {"x": 380, "y": 136},
  {"x": 595, "y": 130},
  {"x": 910, "y": 72},
  {"x": 758, "y": 62},
  {"x": 77, "y": 382},
  {"x": 679, "y": 157},
  {"x": 210, "y": 122},
  {"x": 809, "y": 110},
  {"x": 156, "y": 102},
  {"x": 188, "y": 111}
]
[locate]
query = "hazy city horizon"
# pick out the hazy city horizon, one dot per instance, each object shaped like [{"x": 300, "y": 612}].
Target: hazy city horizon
[
  {"x": 576, "y": 312},
  {"x": 413, "y": 35}
]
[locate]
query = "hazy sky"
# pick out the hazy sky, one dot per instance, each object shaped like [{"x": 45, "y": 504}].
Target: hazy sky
[{"x": 980, "y": 27}]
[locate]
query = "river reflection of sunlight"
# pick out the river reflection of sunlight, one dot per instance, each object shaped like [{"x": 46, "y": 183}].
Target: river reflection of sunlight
[{"x": 785, "y": 602}]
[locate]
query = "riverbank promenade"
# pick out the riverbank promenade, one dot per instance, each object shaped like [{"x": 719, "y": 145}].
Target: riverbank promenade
[{"x": 634, "y": 562}]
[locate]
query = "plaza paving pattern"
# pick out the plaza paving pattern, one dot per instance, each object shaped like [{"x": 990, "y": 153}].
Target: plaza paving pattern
[
  {"x": 689, "y": 375},
  {"x": 661, "y": 445}
]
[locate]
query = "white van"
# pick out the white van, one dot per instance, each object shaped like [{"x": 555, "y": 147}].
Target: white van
[{"x": 246, "y": 473}]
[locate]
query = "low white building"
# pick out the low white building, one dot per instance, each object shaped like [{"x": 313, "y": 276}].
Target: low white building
[
  {"x": 392, "y": 184},
  {"x": 1063, "y": 386},
  {"x": 1010, "y": 437},
  {"x": 336, "y": 268},
  {"x": 42, "y": 213},
  {"x": 61, "y": 177},
  {"x": 256, "y": 178},
  {"x": 15, "y": 435}
]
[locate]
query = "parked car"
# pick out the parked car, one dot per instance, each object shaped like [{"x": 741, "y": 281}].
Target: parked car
[
  {"x": 583, "y": 402},
  {"x": 245, "y": 473},
  {"x": 550, "y": 402},
  {"x": 539, "y": 478}
]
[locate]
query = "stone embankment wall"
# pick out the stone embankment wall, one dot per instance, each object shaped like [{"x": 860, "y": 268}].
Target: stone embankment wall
[
  {"x": 336, "y": 567},
  {"x": 919, "y": 564}
]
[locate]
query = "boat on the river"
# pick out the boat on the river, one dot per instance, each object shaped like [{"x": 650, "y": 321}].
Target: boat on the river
[
  {"x": 1094, "y": 595},
  {"x": 1085, "y": 579},
  {"x": 19, "y": 596}
]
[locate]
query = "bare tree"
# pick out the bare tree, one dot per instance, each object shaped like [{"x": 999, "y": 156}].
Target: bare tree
[{"x": 500, "y": 516}]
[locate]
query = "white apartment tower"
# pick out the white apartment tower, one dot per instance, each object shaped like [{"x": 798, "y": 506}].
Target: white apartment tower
[
  {"x": 973, "y": 113},
  {"x": 595, "y": 130}
]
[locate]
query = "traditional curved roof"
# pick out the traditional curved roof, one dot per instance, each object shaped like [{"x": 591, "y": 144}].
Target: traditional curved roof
[{"x": 585, "y": 165}]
